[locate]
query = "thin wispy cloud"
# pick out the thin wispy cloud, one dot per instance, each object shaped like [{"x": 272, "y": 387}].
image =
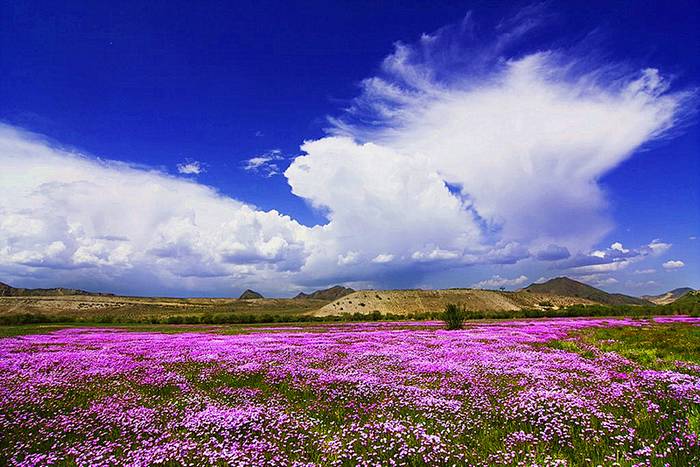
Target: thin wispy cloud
[
  {"x": 496, "y": 282},
  {"x": 266, "y": 164},
  {"x": 614, "y": 258},
  {"x": 190, "y": 168}
]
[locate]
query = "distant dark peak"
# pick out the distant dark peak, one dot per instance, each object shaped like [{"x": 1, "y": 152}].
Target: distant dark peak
[
  {"x": 680, "y": 291},
  {"x": 250, "y": 295},
  {"x": 572, "y": 288},
  {"x": 332, "y": 293}
]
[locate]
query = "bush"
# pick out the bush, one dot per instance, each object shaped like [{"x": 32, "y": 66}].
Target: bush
[{"x": 453, "y": 316}]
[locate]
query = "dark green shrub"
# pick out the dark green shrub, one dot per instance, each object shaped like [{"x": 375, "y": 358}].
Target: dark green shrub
[{"x": 453, "y": 316}]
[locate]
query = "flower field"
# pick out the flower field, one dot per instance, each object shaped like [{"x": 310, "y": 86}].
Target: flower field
[{"x": 508, "y": 393}]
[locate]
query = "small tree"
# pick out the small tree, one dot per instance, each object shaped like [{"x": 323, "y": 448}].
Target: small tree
[{"x": 453, "y": 316}]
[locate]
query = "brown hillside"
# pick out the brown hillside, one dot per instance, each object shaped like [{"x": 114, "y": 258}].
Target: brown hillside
[
  {"x": 9, "y": 291},
  {"x": 402, "y": 302},
  {"x": 572, "y": 288},
  {"x": 86, "y": 306},
  {"x": 668, "y": 297}
]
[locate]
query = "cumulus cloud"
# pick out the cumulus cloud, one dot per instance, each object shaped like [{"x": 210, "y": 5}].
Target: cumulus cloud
[
  {"x": 497, "y": 282},
  {"x": 190, "y": 168},
  {"x": 658, "y": 247},
  {"x": 673, "y": 264},
  {"x": 265, "y": 164},
  {"x": 645, "y": 271},
  {"x": 617, "y": 246},
  {"x": 383, "y": 208},
  {"x": 64, "y": 211}
]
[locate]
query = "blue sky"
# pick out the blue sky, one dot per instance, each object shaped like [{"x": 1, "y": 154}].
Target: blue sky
[{"x": 182, "y": 119}]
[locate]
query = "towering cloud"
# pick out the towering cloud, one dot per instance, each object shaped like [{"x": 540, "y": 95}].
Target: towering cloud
[{"x": 524, "y": 136}]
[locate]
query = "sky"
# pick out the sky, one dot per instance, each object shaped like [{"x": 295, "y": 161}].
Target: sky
[{"x": 202, "y": 148}]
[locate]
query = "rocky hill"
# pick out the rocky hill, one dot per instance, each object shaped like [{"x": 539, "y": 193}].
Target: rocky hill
[
  {"x": 9, "y": 291},
  {"x": 332, "y": 293},
  {"x": 572, "y": 288},
  {"x": 250, "y": 295}
]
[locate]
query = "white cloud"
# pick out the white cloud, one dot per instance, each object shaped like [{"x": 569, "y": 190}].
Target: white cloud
[
  {"x": 383, "y": 259},
  {"x": 597, "y": 280},
  {"x": 380, "y": 204},
  {"x": 614, "y": 258},
  {"x": 497, "y": 282},
  {"x": 435, "y": 254},
  {"x": 618, "y": 247},
  {"x": 103, "y": 220},
  {"x": 525, "y": 137},
  {"x": 264, "y": 164},
  {"x": 351, "y": 257},
  {"x": 658, "y": 247},
  {"x": 673, "y": 264},
  {"x": 604, "y": 267},
  {"x": 645, "y": 271},
  {"x": 606, "y": 281},
  {"x": 190, "y": 168}
]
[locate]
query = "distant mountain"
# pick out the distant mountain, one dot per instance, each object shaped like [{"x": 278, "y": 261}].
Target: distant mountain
[
  {"x": 250, "y": 295},
  {"x": 9, "y": 291},
  {"x": 572, "y": 288},
  {"x": 333, "y": 293},
  {"x": 668, "y": 297},
  {"x": 687, "y": 303}
]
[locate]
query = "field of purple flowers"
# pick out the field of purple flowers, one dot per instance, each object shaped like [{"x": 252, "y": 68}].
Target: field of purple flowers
[{"x": 509, "y": 393}]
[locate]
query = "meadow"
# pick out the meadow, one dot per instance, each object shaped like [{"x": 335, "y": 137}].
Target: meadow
[{"x": 547, "y": 392}]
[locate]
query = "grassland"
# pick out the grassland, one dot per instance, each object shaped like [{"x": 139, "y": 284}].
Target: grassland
[{"x": 660, "y": 346}]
